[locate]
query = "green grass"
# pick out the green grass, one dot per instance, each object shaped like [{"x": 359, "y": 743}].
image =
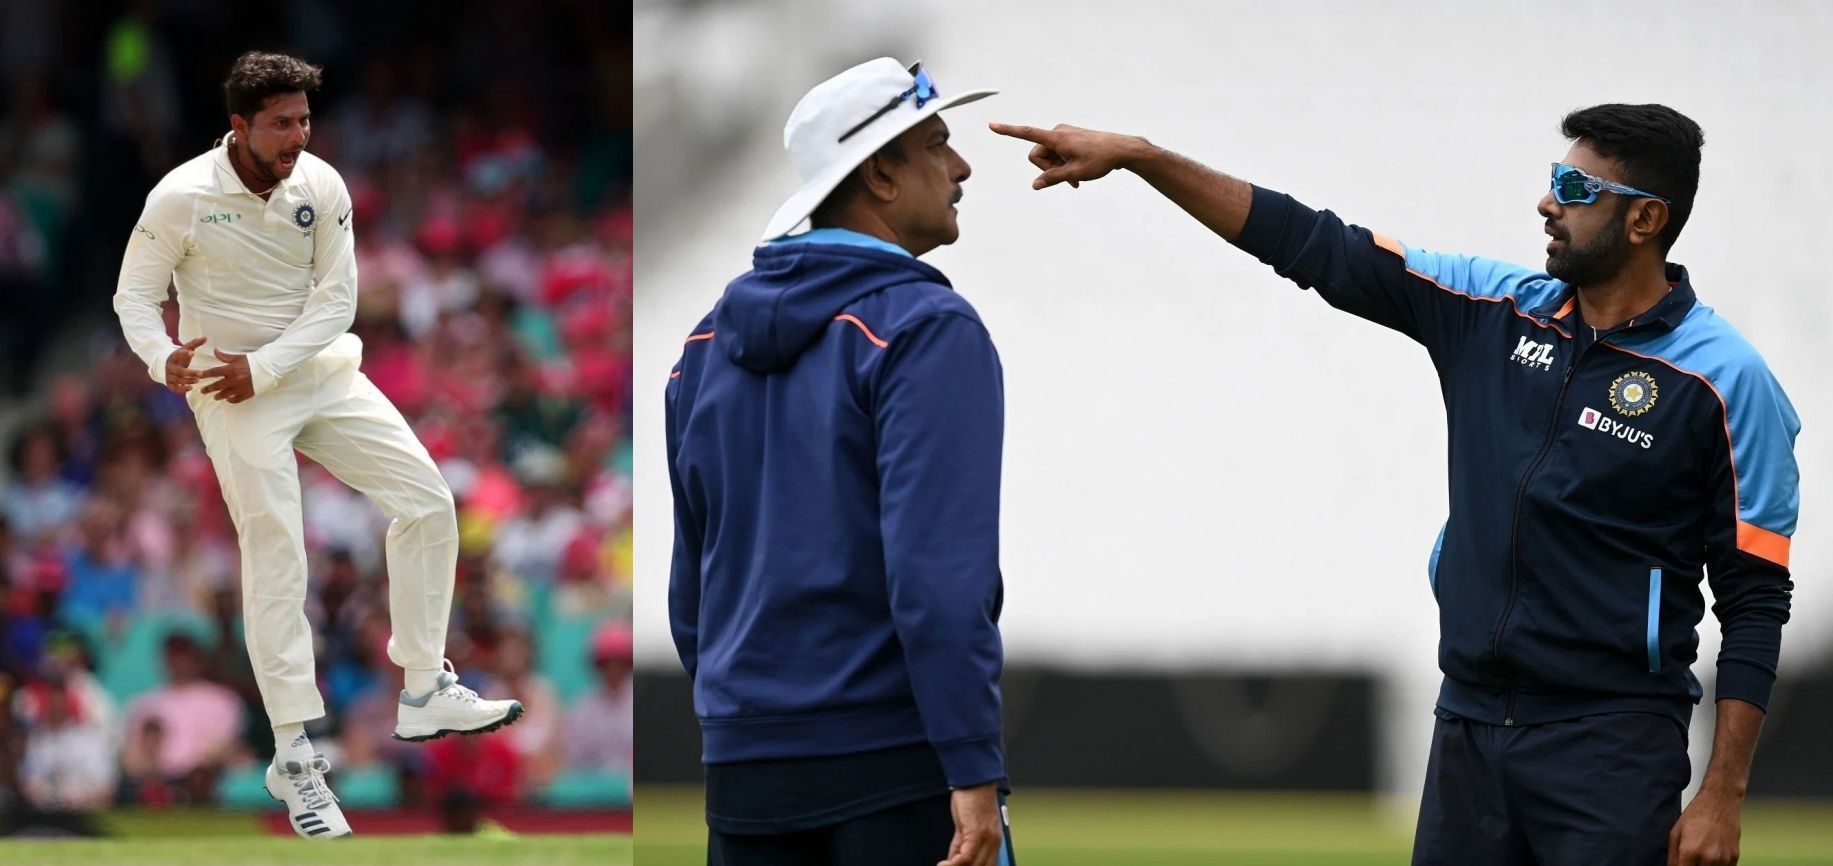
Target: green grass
[
  {"x": 1186, "y": 828},
  {"x": 597, "y": 850}
]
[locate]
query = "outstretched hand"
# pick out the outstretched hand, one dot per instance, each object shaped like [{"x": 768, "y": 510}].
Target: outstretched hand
[{"x": 1072, "y": 154}]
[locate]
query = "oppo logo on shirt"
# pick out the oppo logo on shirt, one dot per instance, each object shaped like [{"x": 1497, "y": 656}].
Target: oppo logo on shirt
[
  {"x": 1592, "y": 419},
  {"x": 221, "y": 218}
]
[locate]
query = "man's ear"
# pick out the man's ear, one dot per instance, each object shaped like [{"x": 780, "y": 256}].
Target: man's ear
[
  {"x": 1647, "y": 218},
  {"x": 876, "y": 175}
]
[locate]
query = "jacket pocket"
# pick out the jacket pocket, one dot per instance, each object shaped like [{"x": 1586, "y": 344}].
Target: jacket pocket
[{"x": 1653, "y": 632}]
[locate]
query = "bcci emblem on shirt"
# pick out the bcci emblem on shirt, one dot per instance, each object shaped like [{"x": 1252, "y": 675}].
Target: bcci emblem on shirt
[
  {"x": 304, "y": 216},
  {"x": 1633, "y": 393}
]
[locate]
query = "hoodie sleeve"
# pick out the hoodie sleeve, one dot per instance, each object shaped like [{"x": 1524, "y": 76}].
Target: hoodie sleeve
[
  {"x": 1427, "y": 296},
  {"x": 684, "y": 568},
  {"x": 940, "y": 418}
]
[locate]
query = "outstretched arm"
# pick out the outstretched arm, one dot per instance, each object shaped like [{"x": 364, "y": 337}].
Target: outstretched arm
[
  {"x": 1422, "y": 294},
  {"x": 1072, "y": 154}
]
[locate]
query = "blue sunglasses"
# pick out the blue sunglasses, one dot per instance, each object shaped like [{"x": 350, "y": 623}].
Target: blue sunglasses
[
  {"x": 924, "y": 90},
  {"x": 1572, "y": 186}
]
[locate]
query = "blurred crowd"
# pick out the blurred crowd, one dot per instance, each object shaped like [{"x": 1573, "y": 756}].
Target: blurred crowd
[{"x": 494, "y": 258}]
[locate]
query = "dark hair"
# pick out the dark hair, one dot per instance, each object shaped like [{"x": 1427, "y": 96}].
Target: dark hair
[
  {"x": 828, "y": 211},
  {"x": 1658, "y": 147},
  {"x": 258, "y": 75}
]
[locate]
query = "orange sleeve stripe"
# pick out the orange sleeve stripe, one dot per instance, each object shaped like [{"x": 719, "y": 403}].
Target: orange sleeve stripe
[
  {"x": 1389, "y": 244},
  {"x": 849, "y": 317},
  {"x": 693, "y": 338},
  {"x": 1757, "y": 541}
]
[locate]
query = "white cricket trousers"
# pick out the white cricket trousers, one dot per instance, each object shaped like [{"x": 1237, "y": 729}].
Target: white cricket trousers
[{"x": 332, "y": 413}]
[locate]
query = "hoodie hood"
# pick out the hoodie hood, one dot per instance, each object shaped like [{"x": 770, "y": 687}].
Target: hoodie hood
[{"x": 776, "y": 311}]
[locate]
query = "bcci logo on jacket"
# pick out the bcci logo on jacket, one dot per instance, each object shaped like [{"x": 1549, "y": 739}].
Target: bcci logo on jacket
[
  {"x": 1532, "y": 354},
  {"x": 1633, "y": 393}
]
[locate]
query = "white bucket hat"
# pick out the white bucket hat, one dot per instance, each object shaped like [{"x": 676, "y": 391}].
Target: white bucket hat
[{"x": 846, "y": 119}]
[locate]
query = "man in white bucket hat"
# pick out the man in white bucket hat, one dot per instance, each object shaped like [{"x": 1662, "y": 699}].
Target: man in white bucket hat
[{"x": 834, "y": 432}]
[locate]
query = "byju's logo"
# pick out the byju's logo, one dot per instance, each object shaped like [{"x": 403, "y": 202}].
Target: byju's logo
[
  {"x": 1592, "y": 419},
  {"x": 1532, "y": 354}
]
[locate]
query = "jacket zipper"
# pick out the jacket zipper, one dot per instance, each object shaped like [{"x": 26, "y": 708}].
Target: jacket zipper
[{"x": 1514, "y": 544}]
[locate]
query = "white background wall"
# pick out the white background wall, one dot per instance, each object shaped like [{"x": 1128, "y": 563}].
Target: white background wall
[{"x": 1206, "y": 466}]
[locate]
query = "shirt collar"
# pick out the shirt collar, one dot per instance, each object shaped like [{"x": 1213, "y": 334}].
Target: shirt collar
[
  {"x": 1678, "y": 301},
  {"x": 843, "y": 237},
  {"x": 1669, "y": 311}
]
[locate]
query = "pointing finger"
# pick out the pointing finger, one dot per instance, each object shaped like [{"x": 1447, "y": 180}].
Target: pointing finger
[
  {"x": 192, "y": 345},
  {"x": 1028, "y": 133}
]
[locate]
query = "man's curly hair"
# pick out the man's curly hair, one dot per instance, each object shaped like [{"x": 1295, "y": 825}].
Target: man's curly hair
[{"x": 258, "y": 75}]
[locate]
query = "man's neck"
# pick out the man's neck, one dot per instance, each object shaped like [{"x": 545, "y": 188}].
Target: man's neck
[
  {"x": 869, "y": 223},
  {"x": 1632, "y": 292}
]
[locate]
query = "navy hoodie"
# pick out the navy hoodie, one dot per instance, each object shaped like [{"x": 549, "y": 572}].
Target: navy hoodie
[
  {"x": 1596, "y": 478},
  {"x": 834, "y": 433}
]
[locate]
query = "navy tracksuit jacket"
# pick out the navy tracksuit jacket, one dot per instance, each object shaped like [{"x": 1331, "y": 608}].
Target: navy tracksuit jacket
[
  {"x": 834, "y": 434},
  {"x": 1593, "y": 481}
]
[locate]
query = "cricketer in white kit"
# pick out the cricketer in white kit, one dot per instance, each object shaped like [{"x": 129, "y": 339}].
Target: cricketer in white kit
[{"x": 257, "y": 236}]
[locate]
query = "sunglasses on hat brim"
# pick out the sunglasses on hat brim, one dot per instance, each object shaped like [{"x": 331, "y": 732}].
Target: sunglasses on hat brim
[{"x": 924, "y": 89}]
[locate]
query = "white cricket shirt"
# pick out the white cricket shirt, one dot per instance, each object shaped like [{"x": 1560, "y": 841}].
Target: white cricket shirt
[{"x": 275, "y": 279}]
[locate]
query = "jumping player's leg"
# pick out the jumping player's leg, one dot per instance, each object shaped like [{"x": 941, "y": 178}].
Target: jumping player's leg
[
  {"x": 360, "y": 436},
  {"x": 362, "y": 439},
  {"x": 250, "y": 446}
]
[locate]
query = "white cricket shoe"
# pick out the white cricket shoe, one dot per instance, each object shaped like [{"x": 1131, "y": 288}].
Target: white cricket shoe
[
  {"x": 311, "y": 807},
  {"x": 451, "y": 709}
]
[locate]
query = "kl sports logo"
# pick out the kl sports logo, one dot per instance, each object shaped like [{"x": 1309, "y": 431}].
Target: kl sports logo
[
  {"x": 1532, "y": 354},
  {"x": 1592, "y": 419}
]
